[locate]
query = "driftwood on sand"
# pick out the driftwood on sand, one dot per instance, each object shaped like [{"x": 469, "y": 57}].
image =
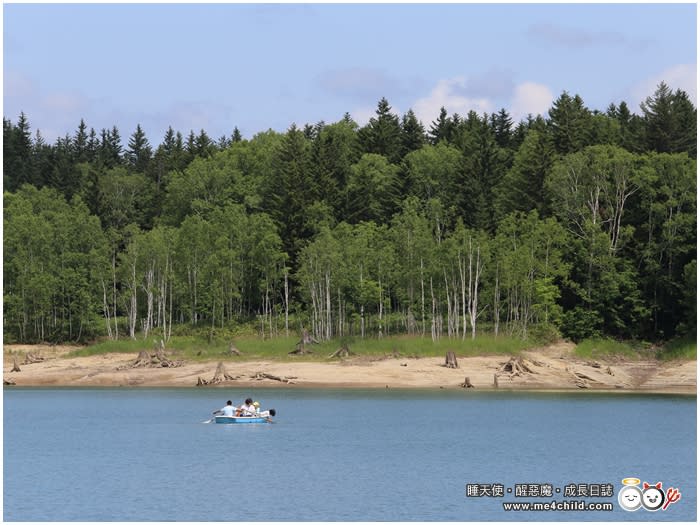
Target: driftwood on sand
[
  {"x": 32, "y": 358},
  {"x": 263, "y": 375}
]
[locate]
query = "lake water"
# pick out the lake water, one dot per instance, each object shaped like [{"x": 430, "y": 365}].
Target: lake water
[{"x": 339, "y": 455}]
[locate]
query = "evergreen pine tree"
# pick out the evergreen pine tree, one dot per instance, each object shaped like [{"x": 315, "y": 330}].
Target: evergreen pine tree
[
  {"x": 440, "y": 128},
  {"x": 412, "y": 133},
  {"x": 18, "y": 162},
  {"x": 80, "y": 143},
  {"x": 139, "y": 152},
  {"x": 383, "y": 133},
  {"x": 570, "y": 124},
  {"x": 501, "y": 124}
]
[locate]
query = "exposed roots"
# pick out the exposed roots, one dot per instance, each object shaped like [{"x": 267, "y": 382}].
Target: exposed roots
[
  {"x": 517, "y": 366},
  {"x": 221, "y": 375},
  {"x": 343, "y": 351},
  {"x": 158, "y": 359}
]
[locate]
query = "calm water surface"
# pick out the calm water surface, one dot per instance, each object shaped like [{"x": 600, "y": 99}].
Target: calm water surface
[{"x": 335, "y": 455}]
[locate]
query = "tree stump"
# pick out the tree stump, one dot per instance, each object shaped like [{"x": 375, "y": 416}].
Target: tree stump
[
  {"x": 156, "y": 360},
  {"x": 495, "y": 380},
  {"x": 143, "y": 359},
  {"x": 451, "y": 360},
  {"x": 221, "y": 375},
  {"x": 15, "y": 365},
  {"x": 307, "y": 339},
  {"x": 516, "y": 366},
  {"x": 343, "y": 351},
  {"x": 467, "y": 383}
]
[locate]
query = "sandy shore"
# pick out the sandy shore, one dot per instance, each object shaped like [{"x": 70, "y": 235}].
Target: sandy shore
[{"x": 549, "y": 368}]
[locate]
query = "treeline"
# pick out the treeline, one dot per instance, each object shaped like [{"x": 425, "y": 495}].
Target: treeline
[{"x": 581, "y": 223}]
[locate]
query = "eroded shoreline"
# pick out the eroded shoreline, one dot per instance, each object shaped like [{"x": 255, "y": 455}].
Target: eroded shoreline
[{"x": 547, "y": 369}]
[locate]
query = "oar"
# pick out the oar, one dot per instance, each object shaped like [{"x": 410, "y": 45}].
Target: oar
[{"x": 212, "y": 419}]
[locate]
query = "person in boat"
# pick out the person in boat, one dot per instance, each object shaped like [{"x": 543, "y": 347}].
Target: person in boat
[
  {"x": 246, "y": 409},
  {"x": 263, "y": 413},
  {"x": 228, "y": 410}
]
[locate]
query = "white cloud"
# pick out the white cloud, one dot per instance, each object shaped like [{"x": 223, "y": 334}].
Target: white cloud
[
  {"x": 680, "y": 76},
  {"x": 530, "y": 98},
  {"x": 447, "y": 94}
]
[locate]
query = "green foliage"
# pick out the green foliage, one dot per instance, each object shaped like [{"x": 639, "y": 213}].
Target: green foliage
[
  {"x": 571, "y": 124},
  {"x": 578, "y": 221},
  {"x": 544, "y": 334},
  {"x": 680, "y": 348},
  {"x": 598, "y": 348},
  {"x": 373, "y": 191},
  {"x": 201, "y": 348},
  {"x": 55, "y": 256}
]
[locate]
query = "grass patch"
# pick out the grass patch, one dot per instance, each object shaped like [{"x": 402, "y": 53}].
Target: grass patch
[
  {"x": 598, "y": 348},
  {"x": 684, "y": 348},
  {"x": 278, "y": 348}
]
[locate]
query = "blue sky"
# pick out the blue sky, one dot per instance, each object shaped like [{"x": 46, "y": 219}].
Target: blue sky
[{"x": 261, "y": 66}]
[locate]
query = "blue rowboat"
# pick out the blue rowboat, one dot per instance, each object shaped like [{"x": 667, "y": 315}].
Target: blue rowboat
[{"x": 227, "y": 420}]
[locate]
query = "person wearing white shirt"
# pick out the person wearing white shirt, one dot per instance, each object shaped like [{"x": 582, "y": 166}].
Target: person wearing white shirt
[
  {"x": 246, "y": 409},
  {"x": 228, "y": 410}
]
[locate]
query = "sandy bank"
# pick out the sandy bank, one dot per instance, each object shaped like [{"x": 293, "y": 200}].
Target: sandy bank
[{"x": 550, "y": 368}]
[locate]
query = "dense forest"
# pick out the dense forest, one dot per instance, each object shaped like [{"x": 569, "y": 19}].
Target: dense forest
[{"x": 580, "y": 223}]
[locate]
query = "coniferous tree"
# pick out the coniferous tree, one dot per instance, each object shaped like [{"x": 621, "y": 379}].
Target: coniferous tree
[
  {"x": 502, "y": 124},
  {"x": 18, "y": 165},
  {"x": 204, "y": 147},
  {"x": 412, "y": 133},
  {"x": 383, "y": 133},
  {"x": 334, "y": 151},
  {"x": 64, "y": 175},
  {"x": 570, "y": 124},
  {"x": 80, "y": 143},
  {"x": 223, "y": 143},
  {"x": 290, "y": 191},
  {"x": 139, "y": 152},
  {"x": 191, "y": 147},
  {"x": 110, "y": 148},
  {"x": 670, "y": 121},
  {"x": 441, "y": 129},
  {"x": 522, "y": 188},
  {"x": 93, "y": 145}
]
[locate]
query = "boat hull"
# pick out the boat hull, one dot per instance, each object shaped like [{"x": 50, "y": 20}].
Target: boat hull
[{"x": 228, "y": 420}]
